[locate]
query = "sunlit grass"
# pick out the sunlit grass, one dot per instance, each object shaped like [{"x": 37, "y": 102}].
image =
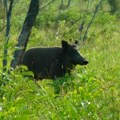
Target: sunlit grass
[{"x": 90, "y": 93}]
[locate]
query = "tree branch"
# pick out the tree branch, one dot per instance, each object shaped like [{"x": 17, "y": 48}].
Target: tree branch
[
  {"x": 63, "y": 6},
  {"x": 47, "y": 4},
  {"x": 85, "y": 35},
  {"x": 2, "y": 28}
]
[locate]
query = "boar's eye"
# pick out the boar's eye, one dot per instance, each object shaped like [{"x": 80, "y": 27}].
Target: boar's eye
[
  {"x": 73, "y": 56},
  {"x": 73, "y": 53}
]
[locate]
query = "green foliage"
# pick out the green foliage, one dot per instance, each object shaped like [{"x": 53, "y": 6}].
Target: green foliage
[{"x": 90, "y": 93}]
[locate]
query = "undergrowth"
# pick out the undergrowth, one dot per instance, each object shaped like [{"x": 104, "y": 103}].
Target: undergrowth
[{"x": 90, "y": 93}]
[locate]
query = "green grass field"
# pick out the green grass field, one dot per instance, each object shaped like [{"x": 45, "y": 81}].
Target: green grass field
[{"x": 92, "y": 92}]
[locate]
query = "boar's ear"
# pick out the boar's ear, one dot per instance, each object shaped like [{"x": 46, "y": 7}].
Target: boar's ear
[
  {"x": 65, "y": 44},
  {"x": 76, "y": 42}
]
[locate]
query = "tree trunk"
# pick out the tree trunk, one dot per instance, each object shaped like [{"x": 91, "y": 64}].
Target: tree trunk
[
  {"x": 8, "y": 16},
  {"x": 25, "y": 33}
]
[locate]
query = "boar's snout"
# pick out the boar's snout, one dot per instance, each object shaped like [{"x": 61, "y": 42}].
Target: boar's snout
[{"x": 85, "y": 62}]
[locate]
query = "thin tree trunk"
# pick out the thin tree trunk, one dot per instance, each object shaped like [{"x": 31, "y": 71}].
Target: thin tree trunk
[
  {"x": 89, "y": 24},
  {"x": 8, "y": 16},
  {"x": 25, "y": 33}
]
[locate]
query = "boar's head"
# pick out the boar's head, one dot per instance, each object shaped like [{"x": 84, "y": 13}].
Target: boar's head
[{"x": 72, "y": 56}]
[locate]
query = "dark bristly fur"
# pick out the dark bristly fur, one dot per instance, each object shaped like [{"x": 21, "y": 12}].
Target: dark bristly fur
[{"x": 52, "y": 62}]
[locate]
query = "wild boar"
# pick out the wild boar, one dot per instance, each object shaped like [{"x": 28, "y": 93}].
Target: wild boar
[{"x": 53, "y": 62}]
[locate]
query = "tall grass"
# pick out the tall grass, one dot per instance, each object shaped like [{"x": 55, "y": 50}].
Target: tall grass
[{"x": 90, "y": 93}]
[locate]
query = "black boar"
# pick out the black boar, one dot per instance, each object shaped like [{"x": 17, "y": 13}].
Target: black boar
[{"x": 52, "y": 62}]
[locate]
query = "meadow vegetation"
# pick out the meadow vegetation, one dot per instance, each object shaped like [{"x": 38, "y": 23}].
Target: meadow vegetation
[{"x": 92, "y": 92}]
